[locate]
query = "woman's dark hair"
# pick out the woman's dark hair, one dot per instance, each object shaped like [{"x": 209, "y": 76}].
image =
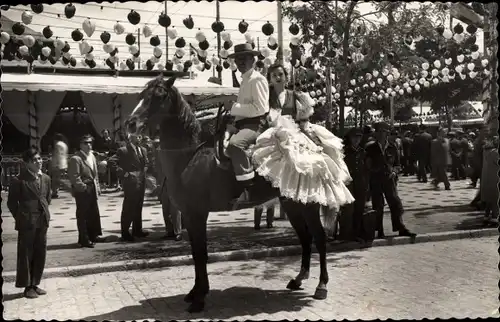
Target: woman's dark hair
[
  {"x": 29, "y": 154},
  {"x": 60, "y": 137},
  {"x": 273, "y": 98}
]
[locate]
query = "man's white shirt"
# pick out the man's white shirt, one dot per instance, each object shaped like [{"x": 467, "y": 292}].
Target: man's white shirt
[{"x": 253, "y": 97}]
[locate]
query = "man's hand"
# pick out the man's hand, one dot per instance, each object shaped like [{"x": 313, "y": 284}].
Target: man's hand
[{"x": 228, "y": 107}]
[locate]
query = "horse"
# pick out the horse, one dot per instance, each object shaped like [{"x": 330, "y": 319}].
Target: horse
[{"x": 198, "y": 184}]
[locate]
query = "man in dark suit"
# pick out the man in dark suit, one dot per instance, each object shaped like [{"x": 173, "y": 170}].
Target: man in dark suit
[
  {"x": 84, "y": 178},
  {"x": 28, "y": 201},
  {"x": 383, "y": 161},
  {"x": 406, "y": 158},
  {"x": 457, "y": 169},
  {"x": 423, "y": 147},
  {"x": 132, "y": 160}
]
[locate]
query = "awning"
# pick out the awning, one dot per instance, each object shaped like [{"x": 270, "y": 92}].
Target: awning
[{"x": 104, "y": 84}]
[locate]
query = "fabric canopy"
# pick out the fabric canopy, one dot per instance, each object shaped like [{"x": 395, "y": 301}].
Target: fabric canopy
[{"x": 104, "y": 84}]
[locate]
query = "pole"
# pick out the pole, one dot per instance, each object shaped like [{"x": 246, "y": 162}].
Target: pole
[
  {"x": 139, "y": 46},
  {"x": 279, "y": 56},
  {"x": 217, "y": 6},
  {"x": 166, "y": 37}
]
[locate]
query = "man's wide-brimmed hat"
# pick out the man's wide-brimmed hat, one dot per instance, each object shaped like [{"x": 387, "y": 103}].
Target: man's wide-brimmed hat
[
  {"x": 242, "y": 49},
  {"x": 382, "y": 127},
  {"x": 354, "y": 132}
]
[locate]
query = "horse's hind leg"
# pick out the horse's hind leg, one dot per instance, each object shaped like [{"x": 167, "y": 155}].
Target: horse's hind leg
[
  {"x": 312, "y": 216},
  {"x": 293, "y": 211},
  {"x": 196, "y": 225}
]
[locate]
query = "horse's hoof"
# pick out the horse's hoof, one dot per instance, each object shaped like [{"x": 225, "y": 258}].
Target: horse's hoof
[
  {"x": 196, "y": 307},
  {"x": 320, "y": 294},
  {"x": 294, "y": 285},
  {"x": 189, "y": 297}
]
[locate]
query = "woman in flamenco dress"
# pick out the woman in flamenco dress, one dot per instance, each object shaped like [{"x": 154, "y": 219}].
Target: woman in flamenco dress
[{"x": 304, "y": 161}]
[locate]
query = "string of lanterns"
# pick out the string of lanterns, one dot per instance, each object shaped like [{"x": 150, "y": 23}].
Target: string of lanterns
[{"x": 48, "y": 49}]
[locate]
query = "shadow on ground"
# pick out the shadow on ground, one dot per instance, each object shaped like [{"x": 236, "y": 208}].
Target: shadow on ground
[{"x": 243, "y": 301}]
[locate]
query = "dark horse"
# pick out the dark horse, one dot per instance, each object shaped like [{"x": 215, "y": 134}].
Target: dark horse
[{"x": 197, "y": 184}]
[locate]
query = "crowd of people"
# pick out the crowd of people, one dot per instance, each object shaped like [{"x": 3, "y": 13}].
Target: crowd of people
[{"x": 274, "y": 123}]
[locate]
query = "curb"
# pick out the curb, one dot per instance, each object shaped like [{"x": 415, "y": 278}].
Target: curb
[{"x": 239, "y": 255}]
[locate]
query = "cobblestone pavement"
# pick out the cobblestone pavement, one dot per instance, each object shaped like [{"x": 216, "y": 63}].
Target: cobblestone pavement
[
  {"x": 426, "y": 211},
  {"x": 446, "y": 279}
]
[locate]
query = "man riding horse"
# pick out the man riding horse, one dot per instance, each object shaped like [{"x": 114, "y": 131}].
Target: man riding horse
[{"x": 250, "y": 113}]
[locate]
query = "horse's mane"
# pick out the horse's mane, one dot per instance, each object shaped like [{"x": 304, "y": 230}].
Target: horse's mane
[{"x": 159, "y": 91}]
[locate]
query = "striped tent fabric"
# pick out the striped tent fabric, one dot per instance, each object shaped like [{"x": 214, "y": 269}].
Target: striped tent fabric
[
  {"x": 116, "y": 117},
  {"x": 32, "y": 119}
]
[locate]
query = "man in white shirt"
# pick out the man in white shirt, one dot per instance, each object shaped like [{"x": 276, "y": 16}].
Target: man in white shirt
[{"x": 250, "y": 113}]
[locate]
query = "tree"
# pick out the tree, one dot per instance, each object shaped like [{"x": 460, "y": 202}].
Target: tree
[{"x": 348, "y": 42}]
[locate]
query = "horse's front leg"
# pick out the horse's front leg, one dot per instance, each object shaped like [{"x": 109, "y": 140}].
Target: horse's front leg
[
  {"x": 315, "y": 226},
  {"x": 196, "y": 225},
  {"x": 299, "y": 225}
]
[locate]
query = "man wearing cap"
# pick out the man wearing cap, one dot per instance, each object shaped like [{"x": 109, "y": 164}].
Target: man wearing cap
[
  {"x": 83, "y": 175},
  {"x": 406, "y": 157},
  {"x": 355, "y": 161},
  {"x": 249, "y": 112},
  {"x": 383, "y": 161}
]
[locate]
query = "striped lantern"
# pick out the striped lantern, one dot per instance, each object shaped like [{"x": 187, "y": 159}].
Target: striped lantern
[
  {"x": 32, "y": 119},
  {"x": 116, "y": 117}
]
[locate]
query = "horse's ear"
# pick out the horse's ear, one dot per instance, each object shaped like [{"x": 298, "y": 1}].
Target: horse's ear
[{"x": 170, "y": 82}]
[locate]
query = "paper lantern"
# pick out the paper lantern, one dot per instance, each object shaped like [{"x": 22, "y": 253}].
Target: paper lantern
[
  {"x": 176, "y": 60},
  {"x": 413, "y": 82},
  {"x": 458, "y": 37},
  {"x": 172, "y": 32},
  {"x": 46, "y": 51},
  {"x": 195, "y": 60},
  {"x": 349, "y": 92},
  {"x": 385, "y": 72},
  {"x": 390, "y": 78},
  {"x": 202, "y": 53},
  {"x": 484, "y": 62},
  {"x": 406, "y": 85},
  {"x": 26, "y": 17},
  {"x": 84, "y": 47},
  {"x": 123, "y": 65},
  {"x": 474, "y": 55},
  {"x": 286, "y": 52},
  {"x": 88, "y": 27},
  {"x": 160, "y": 67},
  {"x": 234, "y": 67},
  {"x": 179, "y": 52},
  {"x": 427, "y": 84},
  {"x": 59, "y": 44},
  {"x": 460, "y": 58},
  {"x": 459, "y": 68},
  {"x": 248, "y": 38},
  {"x": 107, "y": 48},
  {"x": 215, "y": 60},
  {"x": 265, "y": 52},
  {"x": 18, "y": 28},
  {"x": 379, "y": 81},
  {"x": 435, "y": 81},
  {"x": 118, "y": 28},
  {"x": 180, "y": 67},
  {"x": 154, "y": 59},
  {"x": 486, "y": 72},
  {"x": 445, "y": 79},
  {"x": 471, "y": 66},
  {"x": 389, "y": 90},
  {"x": 353, "y": 82},
  {"x": 375, "y": 73},
  {"x": 24, "y": 50},
  {"x": 200, "y": 36},
  {"x": 425, "y": 66},
  {"x": 157, "y": 52},
  {"x": 372, "y": 84},
  {"x": 448, "y": 61},
  {"x": 447, "y": 34},
  {"x": 295, "y": 41},
  {"x": 472, "y": 74},
  {"x": 29, "y": 41},
  {"x": 41, "y": 60},
  {"x": 463, "y": 77},
  {"x": 434, "y": 72},
  {"x": 146, "y": 31},
  {"x": 223, "y": 53},
  {"x": 226, "y": 36},
  {"x": 445, "y": 71},
  {"x": 89, "y": 56},
  {"x": 437, "y": 64},
  {"x": 4, "y": 37}
]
